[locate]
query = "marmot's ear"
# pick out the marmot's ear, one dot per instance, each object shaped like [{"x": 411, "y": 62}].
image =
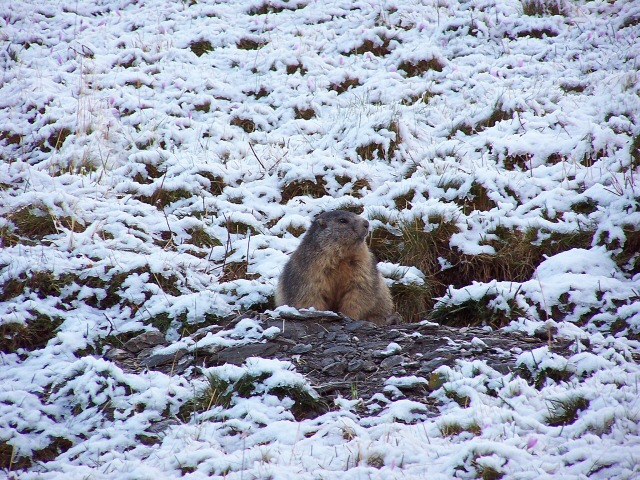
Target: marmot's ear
[{"x": 322, "y": 222}]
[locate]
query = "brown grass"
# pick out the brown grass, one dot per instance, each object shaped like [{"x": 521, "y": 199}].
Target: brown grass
[
  {"x": 33, "y": 335},
  {"x": 416, "y": 69},
  {"x": 300, "y": 188}
]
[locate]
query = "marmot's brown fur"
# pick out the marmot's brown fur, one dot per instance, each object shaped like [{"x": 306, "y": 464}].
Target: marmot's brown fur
[{"x": 333, "y": 269}]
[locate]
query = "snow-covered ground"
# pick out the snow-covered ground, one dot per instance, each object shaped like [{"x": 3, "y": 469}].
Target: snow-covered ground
[{"x": 159, "y": 159}]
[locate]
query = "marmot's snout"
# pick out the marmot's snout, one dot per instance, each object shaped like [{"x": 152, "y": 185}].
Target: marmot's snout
[{"x": 362, "y": 229}]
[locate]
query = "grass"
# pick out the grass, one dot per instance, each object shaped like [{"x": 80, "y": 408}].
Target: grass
[
  {"x": 200, "y": 47},
  {"x": 33, "y": 335},
  {"x": 216, "y": 182},
  {"x": 565, "y": 412},
  {"x": 486, "y": 472},
  {"x": 476, "y": 200},
  {"x": 543, "y": 8},
  {"x": 498, "y": 114},
  {"x": 304, "y": 188},
  {"x": 232, "y": 271},
  {"x": 472, "y": 312},
  {"x": 538, "y": 376},
  {"x": 163, "y": 197},
  {"x": 200, "y": 238},
  {"x": 43, "y": 283},
  {"x": 304, "y": 113},
  {"x": 413, "y": 242},
  {"x": 345, "y": 85},
  {"x": 417, "y": 68},
  {"x": 249, "y": 44},
  {"x": 220, "y": 392},
  {"x": 451, "y": 429},
  {"x": 217, "y": 393},
  {"x": 411, "y": 299},
  {"x": 379, "y": 48},
  {"x": 461, "y": 400},
  {"x": 34, "y": 221},
  {"x": 245, "y": 124},
  {"x": 627, "y": 255},
  {"x": 55, "y": 140},
  {"x": 356, "y": 184},
  {"x": 9, "y": 461}
]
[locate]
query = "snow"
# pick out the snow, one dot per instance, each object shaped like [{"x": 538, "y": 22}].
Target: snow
[{"x": 106, "y": 105}]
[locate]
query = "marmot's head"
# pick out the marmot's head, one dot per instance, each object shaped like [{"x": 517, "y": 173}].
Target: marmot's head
[{"x": 339, "y": 227}]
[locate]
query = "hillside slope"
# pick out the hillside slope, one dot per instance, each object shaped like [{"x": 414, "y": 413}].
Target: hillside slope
[{"x": 159, "y": 160}]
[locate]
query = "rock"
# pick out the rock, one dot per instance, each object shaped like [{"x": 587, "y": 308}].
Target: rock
[
  {"x": 392, "y": 361},
  {"x": 355, "y": 365},
  {"x": 338, "y": 349},
  {"x": 335, "y": 368},
  {"x": 117, "y": 355},
  {"x": 299, "y": 349},
  {"x": 153, "y": 358},
  {"x": 429, "y": 366},
  {"x": 145, "y": 340},
  {"x": 340, "y": 353},
  {"x": 369, "y": 366},
  {"x": 358, "y": 325},
  {"x": 545, "y": 331},
  {"x": 162, "y": 425},
  {"x": 237, "y": 355},
  {"x": 209, "y": 350}
]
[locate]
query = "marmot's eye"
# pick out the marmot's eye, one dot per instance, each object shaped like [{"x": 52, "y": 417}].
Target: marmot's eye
[{"x": 343, "y": 220}]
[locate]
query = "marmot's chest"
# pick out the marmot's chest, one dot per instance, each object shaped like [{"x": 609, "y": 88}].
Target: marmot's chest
[{"x": 340, "y": 278}]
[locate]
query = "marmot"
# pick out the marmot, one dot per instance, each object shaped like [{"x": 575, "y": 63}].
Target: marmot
[{"x": 333, "y": 269}]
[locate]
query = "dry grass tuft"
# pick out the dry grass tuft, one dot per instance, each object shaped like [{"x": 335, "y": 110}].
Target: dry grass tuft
[
  {"x": 416, "y": 69},
  {"x": 33, "y": 335},
  {"x": 245, "y": 124},
  {"x": 565, "y": 412},
  {"x": 200, "y": 238},
  {"x": 249, "y": 44},
  {"x": 379, "y": 48},
  {"x": 543, "y": 8},
  {"x": 498, "y": 114},
  {"x": 232, "y": 271},
  {"x": 472, "y": 313},
  {"x": 304, "y": 113},
  {"x": 346, "y": 84},
  {"x": 163, "y": 197},
  {"x": 412, "y": 300},
  {"x": 304, "y": 188},
  {"x": 216, "y": 182}
]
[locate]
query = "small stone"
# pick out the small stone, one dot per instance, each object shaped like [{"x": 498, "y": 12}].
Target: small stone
[
  {"x": 431, "y": 365},
  {"x": 145, "y": 340},
  {"x": 238, "y": 354},
  {"x": 357, "y": 325},
  {"x": 369, "y": 366},
  {"x": 151, "y": 359},
  {"x": 544, "y": 331},
  {"x": 337, "y": 349},
  {"x": 478, "y": 344},
  {"x": 355, "y": 365},
  {"x": 118, "y": 355},
  {"x": 162, "y": 425},
  {"x": 392, "y": 361},
  {"x": 301, "y": 348},
  {"x": 326, "y": 361},
  {"x": 209, "y": 349},
  {"x": 335, "y": 368}
]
